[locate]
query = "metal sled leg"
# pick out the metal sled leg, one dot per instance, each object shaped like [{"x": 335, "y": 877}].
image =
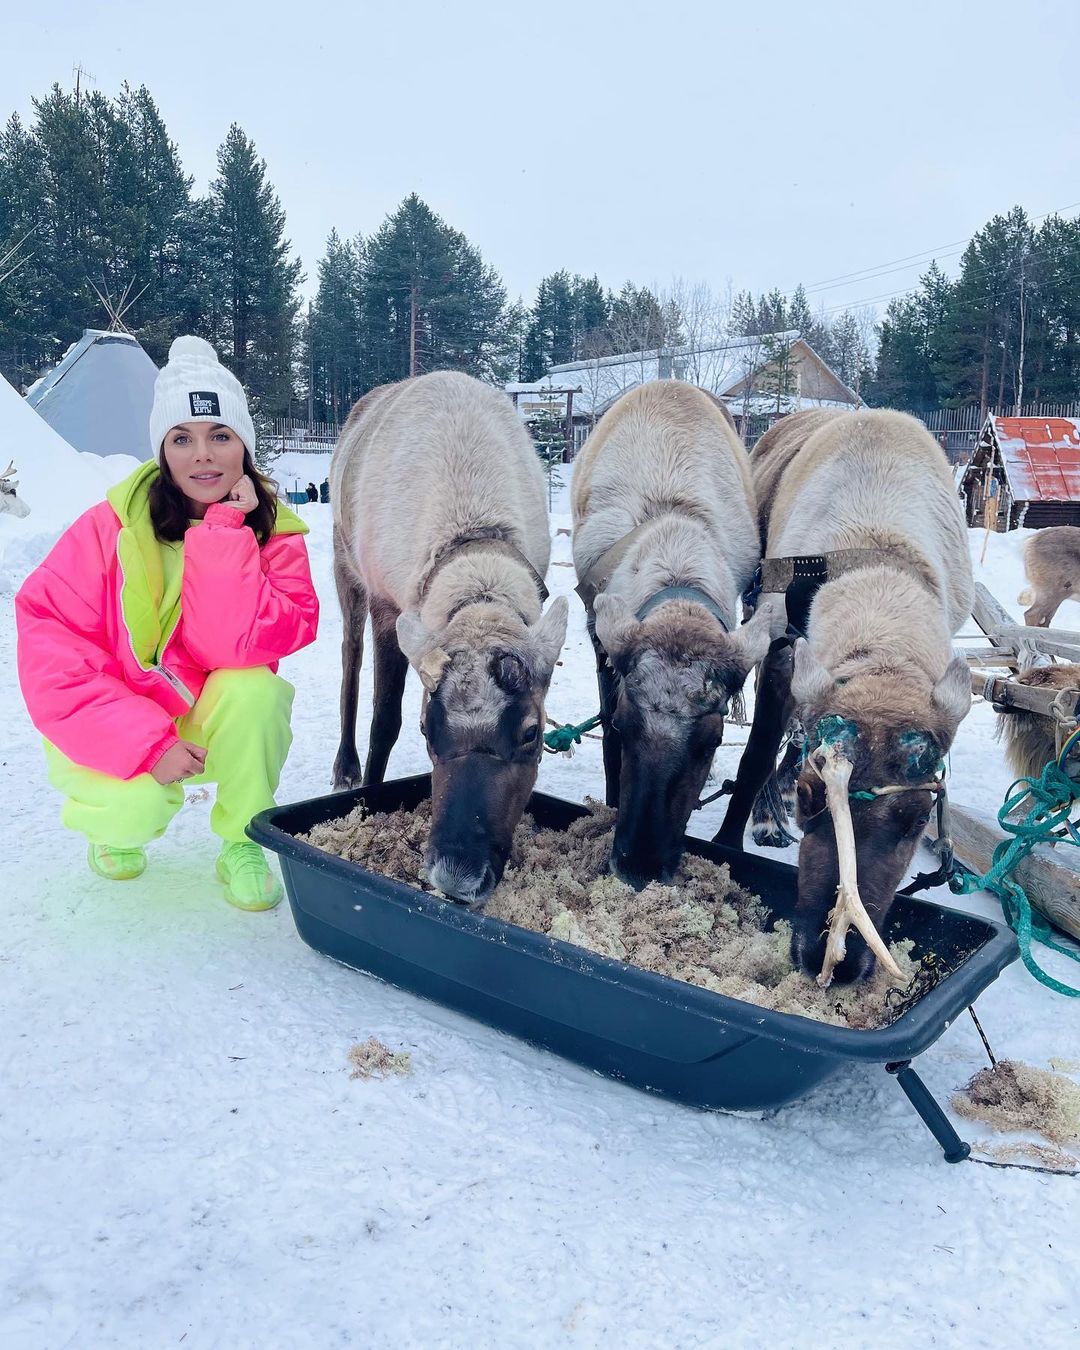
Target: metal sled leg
[{"x": 933, "y": 1117}]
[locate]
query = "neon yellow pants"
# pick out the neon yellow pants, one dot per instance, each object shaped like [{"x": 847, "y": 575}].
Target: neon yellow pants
[{"x": 242, "y": 720}]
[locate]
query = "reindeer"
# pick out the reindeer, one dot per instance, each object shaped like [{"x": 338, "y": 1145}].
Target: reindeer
[
  {"x": 665, "y": 539},
  {"x": 441, "y": 534},
  {"x": 865, "y": 498},
  {"x": 1052, "y": 564},
  {"x": 1030, "y": 739},
  {"x": 11, "y": 504}
]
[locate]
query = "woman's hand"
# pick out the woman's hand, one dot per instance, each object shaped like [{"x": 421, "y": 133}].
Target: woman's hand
[
  {"x": 180, "y": 761},
  {"x": 243, "y": 495}
]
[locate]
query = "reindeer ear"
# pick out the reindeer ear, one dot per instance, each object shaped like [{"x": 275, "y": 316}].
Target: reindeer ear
[
  {"x": 811, "y": 683},
  {"x": 616, "y": 625},
  {"x": 751, "y": 642},
  {"x": 952, "y": 693},
  {"x": 413, "y": 638},
  {"x": 547, "y": 635},
  {"x": 421, "y": 649}
]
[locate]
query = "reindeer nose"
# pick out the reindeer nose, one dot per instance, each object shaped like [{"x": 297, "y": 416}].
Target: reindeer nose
[
  {"x": 466, "y": 879},
  {"x": 638, "y": 869}
]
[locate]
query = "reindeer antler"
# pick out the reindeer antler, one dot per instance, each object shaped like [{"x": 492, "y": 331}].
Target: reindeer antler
[
  {"x": 9, "y": 470},
  {"x": 849, "y": 911}
]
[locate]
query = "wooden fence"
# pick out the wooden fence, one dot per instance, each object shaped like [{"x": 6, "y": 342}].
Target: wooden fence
[
  {"x": 300, "y": 437},
  {"x": 958, "y": 428}
]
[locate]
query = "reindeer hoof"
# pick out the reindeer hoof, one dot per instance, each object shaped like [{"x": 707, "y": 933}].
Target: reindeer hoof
[{"x": 347, "y": 776}]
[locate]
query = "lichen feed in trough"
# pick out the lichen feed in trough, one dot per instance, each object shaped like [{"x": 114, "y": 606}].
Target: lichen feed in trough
[{"x": 704, "y": 929}]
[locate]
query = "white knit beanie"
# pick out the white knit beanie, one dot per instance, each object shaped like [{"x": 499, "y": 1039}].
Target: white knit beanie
[{"x": 195, "y": 387}]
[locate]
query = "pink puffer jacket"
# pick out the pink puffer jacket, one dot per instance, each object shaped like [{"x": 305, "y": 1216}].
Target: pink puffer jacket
[{"x": 103, "y": 672}]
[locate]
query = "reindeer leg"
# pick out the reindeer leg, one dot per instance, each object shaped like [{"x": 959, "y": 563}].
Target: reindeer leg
[
  {"x": 354, "y": 606},
  {"x": 770, "y": 816},
  {"x": 608, "y": 684},
  {"x": 772, "y": 712},
  {"x": 391, "y": 668},
  {"x": 787, "y": 775}
]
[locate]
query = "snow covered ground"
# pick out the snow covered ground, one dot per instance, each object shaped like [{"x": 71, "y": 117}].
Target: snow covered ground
[{"x": 185, "y": 1159}]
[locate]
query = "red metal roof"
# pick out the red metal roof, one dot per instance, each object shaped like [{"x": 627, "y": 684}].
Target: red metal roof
[{"x": 1041, "y": 457}]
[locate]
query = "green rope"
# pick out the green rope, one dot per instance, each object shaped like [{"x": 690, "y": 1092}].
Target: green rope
[
  {"x": 565, "y": 737},
  {"x": 1052, "y": 795}
]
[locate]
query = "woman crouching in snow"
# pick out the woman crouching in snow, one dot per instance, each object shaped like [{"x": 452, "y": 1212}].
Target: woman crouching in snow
[{"x": 150, "y": 636}]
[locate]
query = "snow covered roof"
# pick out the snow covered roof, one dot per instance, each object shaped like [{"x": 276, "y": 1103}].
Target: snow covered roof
[
  {"x": 1040, "y": 455},
  {"x": 100, "y": 395},
  {"x": 723, "y": 368}
]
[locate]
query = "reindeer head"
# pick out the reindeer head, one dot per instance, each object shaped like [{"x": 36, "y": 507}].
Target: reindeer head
[
  {"x": 678, "y": 671},
  {"x": 11, "y": 503},
  {"x": 485, "y": 679},
  {"x": 893, "y": 731}
]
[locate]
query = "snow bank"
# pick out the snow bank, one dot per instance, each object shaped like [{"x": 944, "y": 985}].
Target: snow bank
[{"x": 56, "y": 481}]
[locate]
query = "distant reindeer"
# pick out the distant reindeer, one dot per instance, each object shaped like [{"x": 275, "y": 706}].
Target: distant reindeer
[
  {"x": 441, "y": 533},
  {"x": 11, "y": 504},
  {"x": 665, "y": 540},
  {"x": 1052, "y": 563}
]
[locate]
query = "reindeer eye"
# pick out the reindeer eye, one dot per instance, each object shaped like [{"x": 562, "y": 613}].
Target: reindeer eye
[
  {"x": 529, "y": 735},
  {"x": 918, "y": 824}
]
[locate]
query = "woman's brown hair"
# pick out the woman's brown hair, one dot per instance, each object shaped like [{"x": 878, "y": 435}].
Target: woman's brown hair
[{"x": 171, "y": 512}]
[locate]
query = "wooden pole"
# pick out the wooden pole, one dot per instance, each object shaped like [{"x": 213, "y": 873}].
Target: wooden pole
[
  {"x": 990, "y": 515},
  {"x": 1050, "y": 874}
]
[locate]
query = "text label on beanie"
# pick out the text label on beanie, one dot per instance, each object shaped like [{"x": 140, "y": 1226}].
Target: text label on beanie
[{"x": 205, "y": 405}]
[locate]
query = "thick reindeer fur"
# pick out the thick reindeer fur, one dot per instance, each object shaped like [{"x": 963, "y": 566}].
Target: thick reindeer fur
[
  {"x": 665, "y": 457},
  {"x": 1052, "y": 564},
  {"x": 773, "y": 452},
  {"x": 422, "y": 462},
  {"x": 878, "y": 479},
  {"x": 1029, "y": 738},
  {"x": 665, "y": 452},
  {"x": 421, "y": 466}
]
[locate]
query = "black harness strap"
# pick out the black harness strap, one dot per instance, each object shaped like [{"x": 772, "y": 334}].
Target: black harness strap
[{"x": 799, "y": 579}]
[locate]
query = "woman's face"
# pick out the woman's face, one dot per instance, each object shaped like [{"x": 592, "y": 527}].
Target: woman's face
[{"x": 206, "y": 461}]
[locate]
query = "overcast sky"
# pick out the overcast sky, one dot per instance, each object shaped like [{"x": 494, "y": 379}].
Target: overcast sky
[{"x": 765, "y": 143}]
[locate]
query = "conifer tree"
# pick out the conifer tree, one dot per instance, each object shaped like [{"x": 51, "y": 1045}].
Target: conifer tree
[
  {"x": 254, "y": 274},
  {"x": 334, "y": 351},
  {"x": 431, "y": 302}
]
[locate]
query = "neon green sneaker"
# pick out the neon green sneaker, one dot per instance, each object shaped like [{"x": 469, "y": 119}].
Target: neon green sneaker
[
  {"x": 249, "y": 883},
  {"x": 116, "y": 864}
]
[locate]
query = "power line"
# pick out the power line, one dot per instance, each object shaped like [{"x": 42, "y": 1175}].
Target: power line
[
  {"x": 808, "y": 290},
  {"x": 850, "y": 276},
  {"x": 909, "y": 260}
]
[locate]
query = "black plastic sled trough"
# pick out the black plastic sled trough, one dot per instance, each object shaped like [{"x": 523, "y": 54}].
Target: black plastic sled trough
[{"x": 656, "y": 1033}]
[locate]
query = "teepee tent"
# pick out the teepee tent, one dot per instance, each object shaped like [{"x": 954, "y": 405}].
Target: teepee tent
[{"x": 99, "y": 397}]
